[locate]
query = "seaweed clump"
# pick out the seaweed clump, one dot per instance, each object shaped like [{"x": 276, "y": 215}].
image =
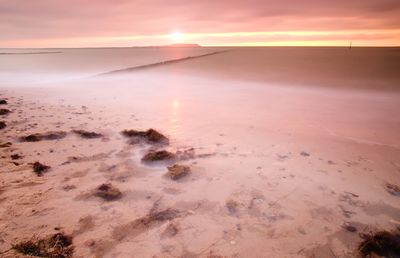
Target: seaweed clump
[
  {"x": 40, "y": 168},
  {"x": 4, "y": 111},
  {"x": 232, "y": 206},
  {"x": 142, "y": 224},
  {"x": 16, "y": 156},
  {"x": 305, "y": 154},
  {"x": 108, "y": 192},
  {"x": 151, "y": 136},
  {"x": 393, "y": 189},
  {"x": 58, "y": 245},
  {"x": 87, "y": 134},
  {"x": 5, "y": 145},
  {"x": 40, "y": 137},
  {"x": 382, "y": 243},
  {"x": 158, "y": 156},
  {"x": 177, "y": 171}
]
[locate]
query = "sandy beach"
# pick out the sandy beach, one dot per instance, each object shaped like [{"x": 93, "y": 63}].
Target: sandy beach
[{"x": 291, "y": 152}]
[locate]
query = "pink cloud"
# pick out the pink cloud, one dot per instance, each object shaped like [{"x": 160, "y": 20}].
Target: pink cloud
[{"x": 51, "y": 19}]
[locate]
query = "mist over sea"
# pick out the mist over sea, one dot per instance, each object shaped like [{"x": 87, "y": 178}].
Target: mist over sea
[{"x": 364, "y": 67}]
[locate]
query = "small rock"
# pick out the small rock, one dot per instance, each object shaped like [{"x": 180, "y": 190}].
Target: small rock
[
  {"x": 15, "y": 156},
  {"x": 40, "y": 168},
  {"x": 238, "y": 227},
  {"x": 177, "y": 171},
  {"x": 232, "y": 206},
  {"x": 305, "y": 154},
  {"x": 68, "y": 187},
  {"x": 186, "y": 154},
  {"x": 87, "y": 134},
  {"x": 46, "y": 136},
  {"x": 154, "y": 136},
  {"x": 393, "y": 189},
  {"x": 151, "y": 136},
  {"x": 3, "y": 102},
  {"x": 3, "y": 125},
  {"x": 5, "y": 145},
  {"x": 301, "y": 230},
  {"x": 158, "y": 156},
  {"x": 56, "y": 245},
  {"x": 108, "y": 192},
  {"x": 349, "y": 227},
  {"x": 4, "y": 111}
]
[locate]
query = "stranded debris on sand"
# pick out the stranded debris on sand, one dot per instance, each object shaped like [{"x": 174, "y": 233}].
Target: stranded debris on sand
[
  {"x": 382, "y": 243},
  {"x": 144, "y": 223},
  {"x": 214, "y": 255},
  {"x": 4, "y": 111},
  {"x": 177, "y": 171},
  {"x": 164, "y": 215},
  {"x": 3, "y": 102},
  {"x": 40, "y": 168},
  {"x": 158, "y": 156},
  {"x": 56, "y": 246},
  {"x": 5, "y": 145},
  {"x": 349, "y": 227},
  {"x": 2, "y": 125},
  {"x": 232, "y": 206},
  {"x": 188, "y": 154},
  {"x": 87, "y": 134},
  {"x": 108, "y": 192},
  {"x": 305, "y": 154},
  {"x": 151, "y": 136},
  {"x": 393, "y": 189},
  {"x": 170, "y": 231},
  {"x": 43, "y": 136},
  {"x": 15, "y": 156}
]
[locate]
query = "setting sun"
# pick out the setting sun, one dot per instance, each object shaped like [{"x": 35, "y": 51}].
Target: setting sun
[{"x": 176, "y": 36}]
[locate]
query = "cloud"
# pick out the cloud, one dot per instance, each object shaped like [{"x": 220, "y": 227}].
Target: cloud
[{"x": 22, "y": 20}]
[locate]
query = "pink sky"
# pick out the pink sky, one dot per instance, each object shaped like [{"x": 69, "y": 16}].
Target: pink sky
[{"x": 83, "y": 23}]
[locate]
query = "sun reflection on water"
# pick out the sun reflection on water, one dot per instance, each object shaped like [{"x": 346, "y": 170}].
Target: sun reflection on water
[{"x": 174, "y": 119}]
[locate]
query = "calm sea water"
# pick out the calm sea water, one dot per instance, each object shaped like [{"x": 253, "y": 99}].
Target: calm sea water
[{"x": 339, "y": 67}]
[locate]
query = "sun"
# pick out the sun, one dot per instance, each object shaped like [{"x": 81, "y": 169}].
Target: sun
[{"x": 176, "y": 36}]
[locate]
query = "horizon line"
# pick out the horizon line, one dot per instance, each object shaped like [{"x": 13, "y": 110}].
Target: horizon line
[{"x": 210, "y": 46}]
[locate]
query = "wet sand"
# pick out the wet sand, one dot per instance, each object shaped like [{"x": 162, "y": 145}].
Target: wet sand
[{"x": 276, "y": 170}]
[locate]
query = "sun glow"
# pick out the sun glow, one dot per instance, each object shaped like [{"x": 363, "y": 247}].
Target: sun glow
[
  {"x": 176, "y": 36},
  {"x": 382, "y": 37}
]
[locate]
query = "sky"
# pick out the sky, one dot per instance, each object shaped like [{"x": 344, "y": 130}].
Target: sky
[{"x": 108, "y": 23}]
